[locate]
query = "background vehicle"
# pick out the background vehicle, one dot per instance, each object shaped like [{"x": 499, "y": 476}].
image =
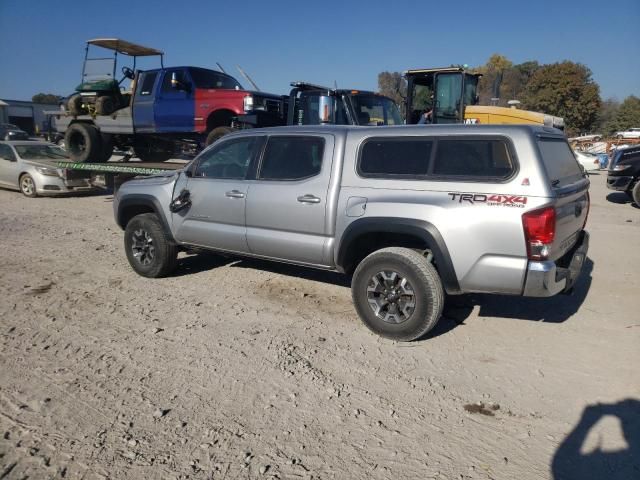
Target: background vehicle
[
  {"x": 12, "y": 132},
  {"x": 165, "y": 109},
  {"x": 412, "y": 212},
  {"x": 452, "y": 95},
  {"x": 631, "y": 133},
  {"x": 589, "y": 161},
  {"x": 30, "y": 167},
  {"x": 310, "y": 104},
  {"x": 624, "y": 172}
]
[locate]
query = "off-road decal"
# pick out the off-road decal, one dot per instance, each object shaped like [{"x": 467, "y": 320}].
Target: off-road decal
[{"x": 493, "y": 200}]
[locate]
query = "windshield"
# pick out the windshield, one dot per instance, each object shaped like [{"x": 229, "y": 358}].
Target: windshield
[
  {"x": 375, "y": 110},
  {"x": 40, "y": 152},
  {"x": 208, "y": 79},
  {"x": 9, "y": 126}
]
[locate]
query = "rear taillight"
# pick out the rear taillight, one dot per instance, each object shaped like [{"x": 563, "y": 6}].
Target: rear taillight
[{"x": 539, "y": 232}]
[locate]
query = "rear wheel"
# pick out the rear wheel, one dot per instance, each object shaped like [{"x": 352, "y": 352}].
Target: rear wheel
[
  {"x": 217, "y": 133},
  {"x": 105, "y": 105},
  {"x": 74, "y": 104},
  {"x": 635, "y": 193},
  {"x": 83, "y": 142},
  {"x": 149, "y": 250},
  {"x": 397, "y": 293},
  {"x": 28, "y": 186}
]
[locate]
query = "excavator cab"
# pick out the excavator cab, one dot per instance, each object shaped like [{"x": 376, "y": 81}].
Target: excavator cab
[{"x": 440, "y": 95}]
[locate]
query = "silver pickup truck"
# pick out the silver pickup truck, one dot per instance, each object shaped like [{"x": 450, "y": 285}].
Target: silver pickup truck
[{"x": 410, "y": 212}]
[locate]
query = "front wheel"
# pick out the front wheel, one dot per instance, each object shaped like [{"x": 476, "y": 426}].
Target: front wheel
[
  {"x": 217, "y": 133},
  {"x": 397, "y": 293},
  {"x": 83, "y": 142},
  {"x": 28, "y": 186},
  {"x": 149, "y": 250}
]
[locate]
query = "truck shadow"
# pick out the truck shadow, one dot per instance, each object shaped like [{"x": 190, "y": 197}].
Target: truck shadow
[
  {"x": 458, "y": 308},
  {"x": 555, "y": 309},
  {"x": 571, "y": 462},
  {"x": 621, "y": 198}
]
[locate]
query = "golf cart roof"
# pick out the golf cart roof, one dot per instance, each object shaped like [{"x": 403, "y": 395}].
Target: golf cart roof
[{"x": 124, "y": 47}]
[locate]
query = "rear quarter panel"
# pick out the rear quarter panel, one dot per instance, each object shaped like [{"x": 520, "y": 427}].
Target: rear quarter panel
[{"x": 485, "y": 237}]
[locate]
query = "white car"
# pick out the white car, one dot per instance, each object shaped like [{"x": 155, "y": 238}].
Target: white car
[
  {"x": 31, "y": 168},
  {"x": 589, "y": 161},
  {"x": 631, "y": 133},
  {"x": 594, "y": 137}
]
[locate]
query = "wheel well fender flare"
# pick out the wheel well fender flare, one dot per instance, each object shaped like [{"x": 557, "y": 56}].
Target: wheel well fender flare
[
  {"x": 138, "y": 203},
  {"x": 421, "y": 229}
]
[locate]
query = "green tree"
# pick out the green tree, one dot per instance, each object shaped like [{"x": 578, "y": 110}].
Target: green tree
[
  {"x": 47, "y": 98},
  {"x": 493, "y": 73},
  {"x": 628, "y": 115},
  {"x": 394, "y": 86},
  {"x": 567, "y": 90}
]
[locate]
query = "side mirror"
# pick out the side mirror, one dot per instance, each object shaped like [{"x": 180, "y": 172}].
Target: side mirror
[{"x": 325, "y": 109}]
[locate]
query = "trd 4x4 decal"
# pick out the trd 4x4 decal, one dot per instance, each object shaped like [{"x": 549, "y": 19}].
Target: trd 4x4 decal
[{"x": 491, "y": 200}]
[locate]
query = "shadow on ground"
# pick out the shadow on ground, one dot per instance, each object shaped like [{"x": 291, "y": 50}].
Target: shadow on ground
[
  {"x": 621, "y": 198},
  {"x": 555, "y": 309},
  {"x": 457, "y": 309},
  {"x": 572, "y": 462}
]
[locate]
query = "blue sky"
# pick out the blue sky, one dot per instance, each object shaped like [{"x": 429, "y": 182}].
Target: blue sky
[{"x": 350, "y": 42}]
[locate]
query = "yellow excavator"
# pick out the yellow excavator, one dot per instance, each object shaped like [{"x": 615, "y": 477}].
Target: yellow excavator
[{"x": 449, "y": 95}]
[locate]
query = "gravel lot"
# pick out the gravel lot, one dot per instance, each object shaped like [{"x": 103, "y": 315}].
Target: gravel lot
[{"x": 245, "y": 369}]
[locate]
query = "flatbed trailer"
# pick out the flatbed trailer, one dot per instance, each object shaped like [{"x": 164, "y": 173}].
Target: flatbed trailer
[
  {"x": 130, "y": 168},
  {"x": 111, "y": 175}
]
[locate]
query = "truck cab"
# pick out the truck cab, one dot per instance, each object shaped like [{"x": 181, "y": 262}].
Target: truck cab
[{"x": 311, "y": 104}]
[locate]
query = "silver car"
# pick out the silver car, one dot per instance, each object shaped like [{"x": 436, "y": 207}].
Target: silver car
[{"x": 31, "y": 167}]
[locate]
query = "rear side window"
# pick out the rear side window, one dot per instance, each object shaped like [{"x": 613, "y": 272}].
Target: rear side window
[
  {"x": 477, "y": 158},
  {"x": 560, "y": 163},
  {"x": 147, "y": 83},
  {"x": 292, "y": 158},
  {"x": 395, "y": 157}
]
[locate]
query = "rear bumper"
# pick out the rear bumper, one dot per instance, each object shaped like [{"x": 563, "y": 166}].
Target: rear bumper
[
  {"x": 548, "y": 278},
  {"x": 620, "y": 183}
]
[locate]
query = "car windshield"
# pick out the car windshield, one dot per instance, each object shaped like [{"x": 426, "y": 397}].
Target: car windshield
[
  {"x": 9, "y": 126},
  {"x": 40, "y": 152},
  {"x": 375, "y": 110},
  {"x": 208, "y": 79}
]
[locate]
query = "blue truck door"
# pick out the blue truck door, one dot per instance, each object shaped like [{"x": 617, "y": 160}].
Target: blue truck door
[
  {"x": 175, "y": 102},
  {"x": 143, "y": 102}
]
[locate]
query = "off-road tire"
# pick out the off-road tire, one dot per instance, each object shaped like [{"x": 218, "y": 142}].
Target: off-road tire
[
  {"x": 635, "y": 193},
  {"x": 217, "y": 133},
  {"x": 106, "y": 147},
  {"x": 28, "y": 186},
  {"x": 105, "y": 105},
  {"x": 422, "y": 277},
  {"x": 74, "y": 104},
  {"x": 83, "y": 142},
  {"x": 161, "y": 254}
]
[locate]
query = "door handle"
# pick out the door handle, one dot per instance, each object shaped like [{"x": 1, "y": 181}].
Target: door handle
[
  {"x": 308, "y": 199},
  {"x": 234, "y": 194}
]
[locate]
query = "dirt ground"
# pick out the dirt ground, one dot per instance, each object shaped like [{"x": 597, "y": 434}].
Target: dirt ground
[{"x": 246, "y": 369}]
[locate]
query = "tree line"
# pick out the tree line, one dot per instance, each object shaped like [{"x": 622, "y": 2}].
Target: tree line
[{"x": 564, "y": 89}]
